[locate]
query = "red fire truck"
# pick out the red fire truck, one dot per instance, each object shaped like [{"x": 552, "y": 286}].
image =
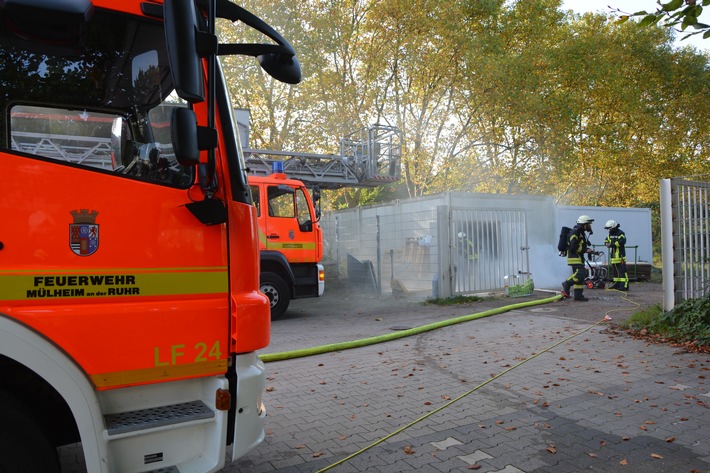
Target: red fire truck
[
  {"x": 130, "y": 309},
  {"x": 290, "y": 239}
]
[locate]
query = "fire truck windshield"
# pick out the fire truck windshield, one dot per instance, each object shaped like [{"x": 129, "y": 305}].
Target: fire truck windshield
[{"x": 94, "y": 104}]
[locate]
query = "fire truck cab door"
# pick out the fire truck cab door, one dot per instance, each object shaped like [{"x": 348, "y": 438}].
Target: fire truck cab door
[
  {"x": 289, "y": 226},
  {"x": 104, "y": 258}
]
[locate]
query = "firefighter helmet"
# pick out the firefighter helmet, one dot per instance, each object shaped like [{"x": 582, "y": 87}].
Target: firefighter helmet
[
  {"x": 610, "y": 224},
  {"x": 585, "y": 219}
]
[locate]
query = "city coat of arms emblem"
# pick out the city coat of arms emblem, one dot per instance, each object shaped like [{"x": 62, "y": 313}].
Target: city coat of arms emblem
[{"x": 84, "y": 232}]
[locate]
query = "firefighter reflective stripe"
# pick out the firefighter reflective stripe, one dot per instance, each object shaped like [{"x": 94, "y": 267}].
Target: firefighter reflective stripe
[
  {"x": 33, "y": 285},
  {"x": 576, "y": 248},
  {"x": 616, "y": 241},
  {"x": 158, "y": 373}
]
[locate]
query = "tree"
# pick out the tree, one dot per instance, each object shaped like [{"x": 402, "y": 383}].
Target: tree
[
  {"x": 491, "y": 95},
  {"x": 683, "y": 14}
]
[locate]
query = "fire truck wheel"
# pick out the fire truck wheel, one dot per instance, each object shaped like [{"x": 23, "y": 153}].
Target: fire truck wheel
[
  {"x": 24, "y": 445},
  {"x": 276, "y": 290}
]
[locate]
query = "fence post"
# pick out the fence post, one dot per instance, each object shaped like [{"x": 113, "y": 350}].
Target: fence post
[
  {"x": 443, "y": 237},
  {"x": 379, "y": 258},
  {"x": 337, "y": 244},
  {"x": 668, "y": 268}
]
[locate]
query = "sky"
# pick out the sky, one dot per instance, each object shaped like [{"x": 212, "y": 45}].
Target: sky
[{"x": 632, "y": 6}]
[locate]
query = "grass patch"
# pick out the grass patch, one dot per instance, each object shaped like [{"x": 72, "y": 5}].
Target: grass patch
[
  {"x": 642, "y": 319},
  {"x": 453, "y": 300}
]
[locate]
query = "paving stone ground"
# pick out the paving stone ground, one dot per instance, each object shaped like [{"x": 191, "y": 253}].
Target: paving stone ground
[{"x": 601, "y": 401}]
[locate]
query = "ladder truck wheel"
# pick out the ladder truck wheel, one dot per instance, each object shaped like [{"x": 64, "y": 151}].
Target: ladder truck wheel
[
  {"x": 24, "y": 445},
  {"x": 276, "y": 290}
]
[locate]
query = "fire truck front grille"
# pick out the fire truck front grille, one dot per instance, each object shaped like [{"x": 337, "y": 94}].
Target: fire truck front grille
[{"x": 157, "y": 417}]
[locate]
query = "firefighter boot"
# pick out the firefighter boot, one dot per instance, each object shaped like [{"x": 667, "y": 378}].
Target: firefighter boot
[
  {"x": 579, "y": 296},
  {"x": 565, "y": 288}
]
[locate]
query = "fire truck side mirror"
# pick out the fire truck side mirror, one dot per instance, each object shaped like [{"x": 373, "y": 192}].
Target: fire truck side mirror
[
  {"x": 282, "y": 67},
  {"x": 278, "y": 60},
  {"x": 181, "y": 33},
  {"x": 184, "y": 135},
  {"x": 316, "y": 202}
]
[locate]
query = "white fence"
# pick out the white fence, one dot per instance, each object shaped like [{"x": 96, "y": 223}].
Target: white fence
[
  {"x": 485, "y": 246},
  {"x": 685, "y": 229},
  {"x": 440, "y": 245}
]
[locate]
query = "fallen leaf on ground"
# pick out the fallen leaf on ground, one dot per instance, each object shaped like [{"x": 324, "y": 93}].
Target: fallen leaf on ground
[
  {"x": 552, "y": 449},
  {"x": 408, "y": 450},
  {"x": 657, "y": 456}
]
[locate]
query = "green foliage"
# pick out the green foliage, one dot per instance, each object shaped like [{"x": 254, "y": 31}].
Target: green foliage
[
  {"x": 689, "y": 321},
  {"x": 681, "y": 14},
  {"x": 348, "y": 198}
]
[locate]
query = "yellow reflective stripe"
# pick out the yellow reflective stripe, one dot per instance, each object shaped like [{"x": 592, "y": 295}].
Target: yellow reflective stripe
[
  {"x": 291, "y": 245},
  {"x": 162, "y": 373},
  {"x": 40, "y": 284}
]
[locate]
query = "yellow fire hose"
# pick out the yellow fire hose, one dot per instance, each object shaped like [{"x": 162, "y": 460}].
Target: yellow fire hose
[{"x": 318, "y": 350}]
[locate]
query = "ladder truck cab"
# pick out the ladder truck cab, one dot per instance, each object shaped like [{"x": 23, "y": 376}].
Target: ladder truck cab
[
  {"x": 290, "y": 239},
  {"x": 130, "y": 309}
]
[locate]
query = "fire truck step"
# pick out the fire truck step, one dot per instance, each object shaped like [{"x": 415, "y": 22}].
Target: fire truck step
[
  {"x": 126, "y": 422},
  {"x": 170, "y": 469}
]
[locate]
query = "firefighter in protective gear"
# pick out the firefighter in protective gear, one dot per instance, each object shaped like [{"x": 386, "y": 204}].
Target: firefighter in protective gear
[
  {"x": 578, "y": 247},
  {"x": 616, "y": 242}
]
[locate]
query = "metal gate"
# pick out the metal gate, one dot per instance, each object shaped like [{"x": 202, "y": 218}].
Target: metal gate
[
  {"x": 685, "y": 229},
  {"x": 485, "y": 246}
]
